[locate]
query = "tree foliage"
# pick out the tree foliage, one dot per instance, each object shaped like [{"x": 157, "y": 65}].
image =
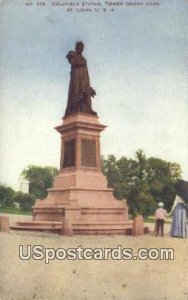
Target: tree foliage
[
  {"x": 40, "y": 179},
  {"x": 26, "y": 201},
  {"x": 142, "y": 181},
  {"x": 6, "y": 196}
]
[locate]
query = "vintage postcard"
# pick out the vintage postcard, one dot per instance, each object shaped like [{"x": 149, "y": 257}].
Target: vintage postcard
[{"x": 93, "y": 109}]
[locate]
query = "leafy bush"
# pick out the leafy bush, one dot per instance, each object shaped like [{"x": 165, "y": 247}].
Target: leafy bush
[
  {"x": 26, "y": 201},
  {"x": 40, "y": 179},
  {"x": 6, "y": 196}
]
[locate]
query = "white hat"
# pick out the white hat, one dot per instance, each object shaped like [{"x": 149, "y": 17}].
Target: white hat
[{"x": 161, "y": 204}]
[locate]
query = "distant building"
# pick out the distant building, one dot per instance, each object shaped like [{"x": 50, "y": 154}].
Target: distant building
[{"x": 24, "y": 186}]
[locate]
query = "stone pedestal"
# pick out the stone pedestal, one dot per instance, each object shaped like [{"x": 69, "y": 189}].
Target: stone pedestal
[
  {"x": 67, "y": 229},
  {"x": 4, "y": 224},
  {"x": 138, "y": 225},
  {"x": 80, "y": 193}
]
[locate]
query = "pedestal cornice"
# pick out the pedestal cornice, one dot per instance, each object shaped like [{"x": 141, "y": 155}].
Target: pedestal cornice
[{"x": 78, "y": 122}]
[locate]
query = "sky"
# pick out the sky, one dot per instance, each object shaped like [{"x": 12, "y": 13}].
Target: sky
[{"x": 138, "y": 62}]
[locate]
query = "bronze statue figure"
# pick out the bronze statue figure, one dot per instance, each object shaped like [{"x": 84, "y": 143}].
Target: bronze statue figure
[{"x": 80, "y": 91}]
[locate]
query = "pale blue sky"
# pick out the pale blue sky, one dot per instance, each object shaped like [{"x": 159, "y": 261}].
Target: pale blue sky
[{"x": 137, "y": 59}]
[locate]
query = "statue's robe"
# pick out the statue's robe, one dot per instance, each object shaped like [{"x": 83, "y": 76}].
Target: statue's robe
[{"x": 79, "y": 96}]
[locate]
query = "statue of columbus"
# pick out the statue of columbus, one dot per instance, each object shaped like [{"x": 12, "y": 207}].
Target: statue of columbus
[{"x": 80, "y": 91}]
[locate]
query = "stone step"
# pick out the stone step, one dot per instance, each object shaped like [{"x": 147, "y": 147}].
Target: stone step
[
  {"x": 101, "y": 231},
  {"x": 75, "y": 222},
  {"x": 100, "y": 225},
  {"x": 85, "y": 231},
  {"x": 35, "y": 228},
  {"x": 90, "y": 228},
  {"x": 34, "y": 223},
  {"x": 77, "y": 226},
  {"x": 102, "y": 228}
]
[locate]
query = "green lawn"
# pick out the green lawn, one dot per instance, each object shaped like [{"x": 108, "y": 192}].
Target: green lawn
[
  {"x": 151, "y": 219},
  {"x": 15, "y": 211}
]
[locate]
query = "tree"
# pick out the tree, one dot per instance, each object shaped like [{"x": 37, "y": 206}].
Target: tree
[
  {"x": 142, "y": 181},
  {"x": 161, "y": 178},
  {"x": 110, "y": 169},
  {"x": 140, "y": 201},
  {"x": 40, "y": 179},
  {"x": 6, "y": 196},
  {"x": 25, "y": 201}
]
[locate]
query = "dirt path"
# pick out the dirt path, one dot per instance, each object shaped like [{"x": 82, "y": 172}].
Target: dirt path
[{"x": 92, "y": 279}]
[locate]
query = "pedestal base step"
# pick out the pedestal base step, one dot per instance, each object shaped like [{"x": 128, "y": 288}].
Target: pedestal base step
[
  {"x": 99, "y": 227},
  {"x": 88, "y": 228}
]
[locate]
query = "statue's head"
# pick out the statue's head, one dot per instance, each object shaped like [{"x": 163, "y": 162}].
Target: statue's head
[{"x": 79, "y": 47}]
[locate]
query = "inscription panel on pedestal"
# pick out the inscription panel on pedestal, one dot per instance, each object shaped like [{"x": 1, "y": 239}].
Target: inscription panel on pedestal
[
  {"x": 69, "y": 154},
  {"x": 88, "y": 153}
]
